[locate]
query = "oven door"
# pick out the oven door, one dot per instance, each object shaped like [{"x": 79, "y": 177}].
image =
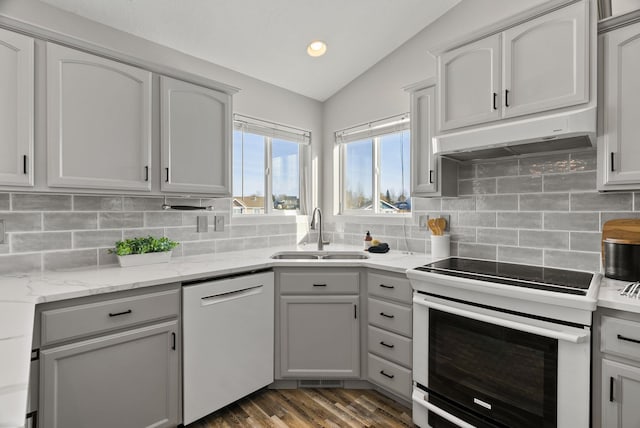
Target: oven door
[{"x": 487, "y": 368}]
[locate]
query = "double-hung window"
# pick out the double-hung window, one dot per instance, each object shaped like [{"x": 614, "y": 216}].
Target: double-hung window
[
  {"x": 268, "y": 166},
  {"x": 375, "y": 167}
]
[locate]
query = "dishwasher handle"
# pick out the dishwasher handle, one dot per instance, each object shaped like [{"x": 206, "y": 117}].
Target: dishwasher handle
[{"x": 230, "y": 295}]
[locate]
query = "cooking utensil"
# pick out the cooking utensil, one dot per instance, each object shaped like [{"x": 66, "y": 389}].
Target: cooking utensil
[
  {"x": 432, "y": 226},
  {"x": 441, "y": 224}
]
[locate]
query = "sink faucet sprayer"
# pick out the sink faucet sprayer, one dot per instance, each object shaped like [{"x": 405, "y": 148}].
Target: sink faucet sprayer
[{"x": 321, "y": 243}]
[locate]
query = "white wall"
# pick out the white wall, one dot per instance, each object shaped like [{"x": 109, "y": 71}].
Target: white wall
[{"x": 378, "y": 92}]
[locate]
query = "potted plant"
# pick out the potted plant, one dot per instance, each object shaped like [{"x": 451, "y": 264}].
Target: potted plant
[{"x": 143, "y": 251}]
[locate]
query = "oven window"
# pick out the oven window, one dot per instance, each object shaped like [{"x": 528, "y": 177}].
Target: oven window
[{"x": 501, "y": 373}]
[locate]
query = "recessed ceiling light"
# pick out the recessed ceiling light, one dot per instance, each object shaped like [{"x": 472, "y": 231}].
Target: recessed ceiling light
[{"x": 317, "y": 48}]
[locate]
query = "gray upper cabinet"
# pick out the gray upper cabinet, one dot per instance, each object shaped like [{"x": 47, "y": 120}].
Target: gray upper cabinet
[
  {"x": 430, "y": 175},
  {"x": 16, "y": 109},
  {"x": 618, "y": 148},
  {"x": 469, "y": 84},
  {"x": 546, "y": 62},
  {"x": 538, "y": 65},
  {"x": 98, "y": 122},
  {"x": 195, "y": 138}
]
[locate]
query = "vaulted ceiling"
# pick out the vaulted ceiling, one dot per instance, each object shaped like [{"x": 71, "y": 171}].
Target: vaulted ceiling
[{"x": 267, "y": 39}]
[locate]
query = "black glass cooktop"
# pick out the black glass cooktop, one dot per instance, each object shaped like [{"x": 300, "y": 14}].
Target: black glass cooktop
[{"x": 541, "y": 278}]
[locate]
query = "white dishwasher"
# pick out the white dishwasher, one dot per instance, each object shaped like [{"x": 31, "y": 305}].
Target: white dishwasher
[{"x": 228, "y": 333}]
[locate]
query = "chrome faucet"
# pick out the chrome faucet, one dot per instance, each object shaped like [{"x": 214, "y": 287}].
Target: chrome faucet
[{"x": 321, "y": 243}]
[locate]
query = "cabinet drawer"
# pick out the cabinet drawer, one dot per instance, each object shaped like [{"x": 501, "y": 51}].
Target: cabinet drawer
[
  {"x": 82, "y": 320},
  {"x": 390, "y": 346},
  {"x": 390, "y": 316},
  {"x": 620, "y": 337},
  {"x": 389, "y": 287},
  {"x": 319, "y": 282},
  {"x": 390, "y": 376}
]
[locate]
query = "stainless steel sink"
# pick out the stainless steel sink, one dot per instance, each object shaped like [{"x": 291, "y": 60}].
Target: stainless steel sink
[
  {"x": 295, "y": 255},
  {"x": 319, "y": 255},
  {"x": 345, "y": 256}
]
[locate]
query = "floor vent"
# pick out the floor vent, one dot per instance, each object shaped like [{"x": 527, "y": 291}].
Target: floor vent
[{"x": 319, "y": 384}]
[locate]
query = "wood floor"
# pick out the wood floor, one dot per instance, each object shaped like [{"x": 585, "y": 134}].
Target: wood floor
[{"x": 298, "y": 408}]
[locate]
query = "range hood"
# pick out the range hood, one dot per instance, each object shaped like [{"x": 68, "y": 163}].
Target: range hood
[{"x": 566, "y": 130}]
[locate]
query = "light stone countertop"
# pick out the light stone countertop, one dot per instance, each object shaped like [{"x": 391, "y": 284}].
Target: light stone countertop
[
  {"x": 19, "y": 293},
  {"x": 609, "y": 296}
]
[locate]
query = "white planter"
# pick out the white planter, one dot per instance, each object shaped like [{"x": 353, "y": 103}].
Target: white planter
[{"x": 144, "y": 259}]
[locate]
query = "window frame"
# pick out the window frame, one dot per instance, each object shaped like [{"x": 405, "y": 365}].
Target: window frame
[
  {"x": 373, "y": 131},
  {"x": 278, "y": 132}
]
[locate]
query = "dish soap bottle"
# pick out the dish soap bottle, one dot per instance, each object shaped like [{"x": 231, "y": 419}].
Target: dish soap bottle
[{"x": 367, "y": 240}]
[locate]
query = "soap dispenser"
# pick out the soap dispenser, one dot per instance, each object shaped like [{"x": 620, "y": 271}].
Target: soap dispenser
[{"x": 367, "y": 240}]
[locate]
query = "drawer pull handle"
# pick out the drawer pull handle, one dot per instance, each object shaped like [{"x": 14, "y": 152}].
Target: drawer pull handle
[
  {"x": 387, "y": 315},
  {"x": 387, "y": 286},
  {"x": 390, "y": 376},
  {"x": 628, "y": 339},
  {"x": 319, "y": 285},
  {"x": 128, "y": 311},
  {"x": 387, "y": 345},
  {"x": 173, "y": 341},
  {"x": 611, "y": 386}
]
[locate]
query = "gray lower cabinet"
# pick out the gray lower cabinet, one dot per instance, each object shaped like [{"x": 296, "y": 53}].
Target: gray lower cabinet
[
  {"x": 108, "y": 361},
  {"x": 616, "y": 374},
  {"x": 127, "y": 379},
  {"x": 390, "y": 332},
  {"x": 320, "y": 337},
  {"x": 318, "y": 324}
]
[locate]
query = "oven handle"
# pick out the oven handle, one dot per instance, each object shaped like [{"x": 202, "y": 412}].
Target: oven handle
[
  {"x": 540, "y": 331},
  {"x": 419, "y": 399}
]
